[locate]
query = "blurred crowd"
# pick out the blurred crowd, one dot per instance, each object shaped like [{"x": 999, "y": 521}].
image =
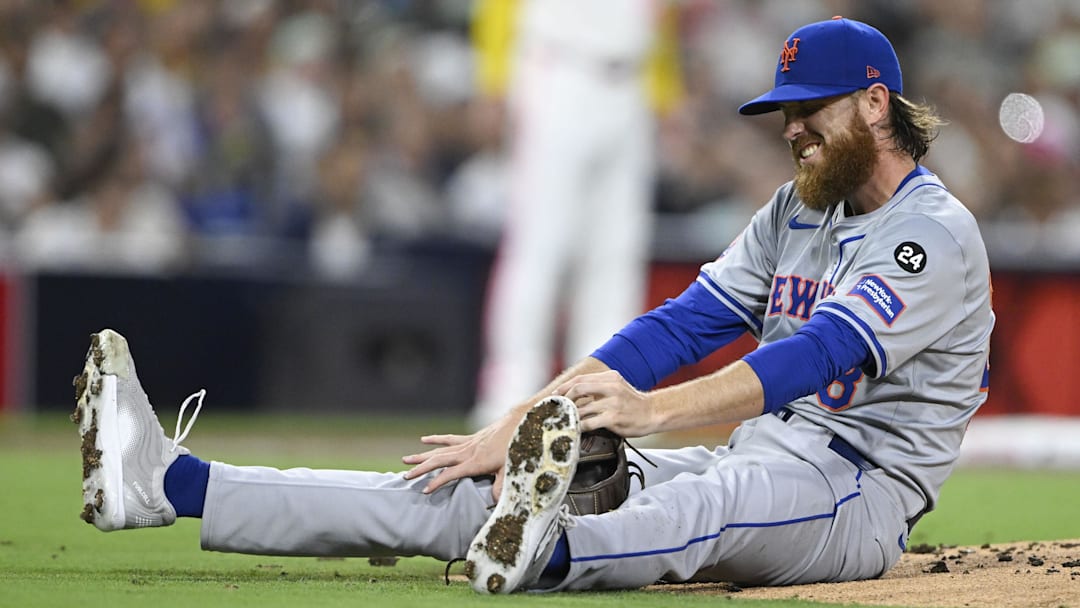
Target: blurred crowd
[{"x": 157, "y": 135}]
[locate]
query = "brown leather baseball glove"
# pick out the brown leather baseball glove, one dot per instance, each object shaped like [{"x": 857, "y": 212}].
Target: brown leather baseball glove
[{"x": 602, "y": 480}]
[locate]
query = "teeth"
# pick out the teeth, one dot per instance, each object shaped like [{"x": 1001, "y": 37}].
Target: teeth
[{"x": 808, "y": 151}]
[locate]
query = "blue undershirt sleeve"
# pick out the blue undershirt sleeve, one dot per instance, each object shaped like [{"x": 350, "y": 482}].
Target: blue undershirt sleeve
[
  {"x": 683, "y": 330},
  {"x": 821, "y": 350}
]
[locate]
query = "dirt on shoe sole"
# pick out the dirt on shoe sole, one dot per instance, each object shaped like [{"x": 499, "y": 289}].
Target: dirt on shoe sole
[{"x": 539, "y": 463}]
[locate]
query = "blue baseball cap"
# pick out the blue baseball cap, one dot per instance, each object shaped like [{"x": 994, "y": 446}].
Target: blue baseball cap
[{"x": 829, "y": 58}]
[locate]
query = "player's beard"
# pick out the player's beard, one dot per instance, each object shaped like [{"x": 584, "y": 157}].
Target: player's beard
[{"x": 846, "y": 163}]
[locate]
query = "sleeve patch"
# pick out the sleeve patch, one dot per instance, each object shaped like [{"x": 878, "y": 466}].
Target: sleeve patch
[{"x": 881, "y": 298}]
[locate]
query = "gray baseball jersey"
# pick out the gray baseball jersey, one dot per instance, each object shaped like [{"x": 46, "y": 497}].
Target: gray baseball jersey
[{"x": 912, "y": 278}]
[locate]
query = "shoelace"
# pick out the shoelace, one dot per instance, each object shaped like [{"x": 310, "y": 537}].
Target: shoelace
[{"x": 177, "y": 435}]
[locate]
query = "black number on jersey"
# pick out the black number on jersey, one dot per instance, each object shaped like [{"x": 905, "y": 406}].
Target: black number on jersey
[{"x": 910, "y": 256}]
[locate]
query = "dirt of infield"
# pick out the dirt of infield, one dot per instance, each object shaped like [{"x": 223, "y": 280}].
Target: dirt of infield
[{"x": 1042, "y": 574}]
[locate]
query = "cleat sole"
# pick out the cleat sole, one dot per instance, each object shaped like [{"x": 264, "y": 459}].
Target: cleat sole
[
  {"x": 540, "y": 463},
  {"x": 102, "y": 471}
]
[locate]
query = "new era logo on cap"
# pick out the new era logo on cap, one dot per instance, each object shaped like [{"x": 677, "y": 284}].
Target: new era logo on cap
[{"x": 830, "y": 58}]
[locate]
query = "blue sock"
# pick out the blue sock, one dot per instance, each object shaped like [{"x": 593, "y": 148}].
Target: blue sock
[
  {"x": 559, "y": 564},
  {"x": 185, "y": 485}
]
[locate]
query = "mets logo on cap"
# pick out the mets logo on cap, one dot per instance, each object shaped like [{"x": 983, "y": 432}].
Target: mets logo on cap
[
  {"x": 788, "y": 54},
  {"x": 829, "y": 58}
]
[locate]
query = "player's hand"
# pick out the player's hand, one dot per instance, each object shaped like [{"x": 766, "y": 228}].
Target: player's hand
[
  {"x": 606, "y": 400},
  {"x": 482, "y": 453}
]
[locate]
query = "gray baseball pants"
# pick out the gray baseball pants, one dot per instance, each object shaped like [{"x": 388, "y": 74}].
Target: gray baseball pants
[{"x": 777, "y": 507}]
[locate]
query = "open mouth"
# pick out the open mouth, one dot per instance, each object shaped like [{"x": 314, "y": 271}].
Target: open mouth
[{"x": 808, "y": 150}]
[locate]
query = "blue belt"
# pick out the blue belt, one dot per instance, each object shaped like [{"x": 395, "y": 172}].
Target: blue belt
[{"x": 836, "y": 444}]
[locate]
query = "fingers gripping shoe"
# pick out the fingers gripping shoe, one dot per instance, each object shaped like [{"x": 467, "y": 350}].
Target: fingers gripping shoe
[
  {"x": 513, "y": 547},
  {"x": 124, "y": 450}
]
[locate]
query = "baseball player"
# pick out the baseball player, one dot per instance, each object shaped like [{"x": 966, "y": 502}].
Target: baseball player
[
  {"x": 579, "y": 221},
  {"x": 868, "y": 286}
]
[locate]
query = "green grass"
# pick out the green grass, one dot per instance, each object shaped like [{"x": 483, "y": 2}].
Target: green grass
[
  {"x": 49, "y": 557},
  {"x": 997, "y": 506}
]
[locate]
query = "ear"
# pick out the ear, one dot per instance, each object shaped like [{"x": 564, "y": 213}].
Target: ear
[{"x": 875, "y": 104}]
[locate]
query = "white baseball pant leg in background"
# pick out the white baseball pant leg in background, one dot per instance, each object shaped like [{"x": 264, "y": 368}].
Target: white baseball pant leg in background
[{"x": 579, "y": 226}]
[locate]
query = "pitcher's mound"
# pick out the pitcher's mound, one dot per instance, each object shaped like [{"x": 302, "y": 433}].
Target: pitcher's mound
[{"x": 1014, "y": 575}]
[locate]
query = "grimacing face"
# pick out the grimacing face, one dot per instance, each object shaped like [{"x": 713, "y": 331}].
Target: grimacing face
[{"x": 845, "y": 158}]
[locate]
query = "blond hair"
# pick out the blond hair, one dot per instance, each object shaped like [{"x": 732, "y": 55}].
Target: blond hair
[{"x": 913, "y": 125}]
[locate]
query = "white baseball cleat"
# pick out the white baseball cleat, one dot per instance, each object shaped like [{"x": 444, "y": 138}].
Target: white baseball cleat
[
  {"x": 124, "y": 449},
  {"x": 514, "y": 545}
]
